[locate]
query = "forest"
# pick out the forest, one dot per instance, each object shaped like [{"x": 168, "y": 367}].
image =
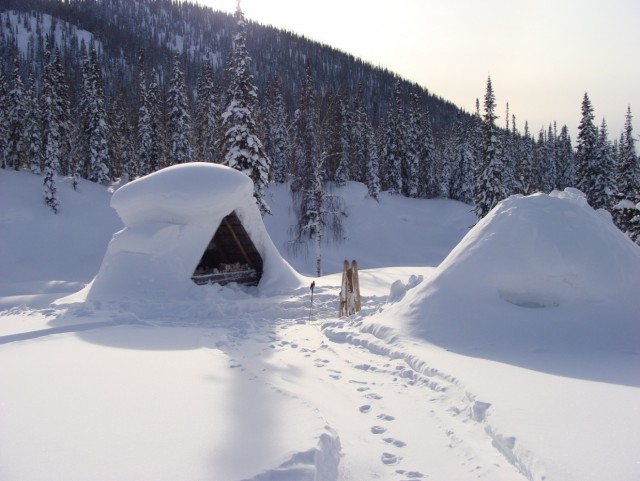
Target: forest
[{"x": 116, "y": 89}]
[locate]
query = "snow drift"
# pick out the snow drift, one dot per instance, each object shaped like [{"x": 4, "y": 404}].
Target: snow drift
[
  {"x": 170, "y": 217},
  {"x": 536, "y": 268}
]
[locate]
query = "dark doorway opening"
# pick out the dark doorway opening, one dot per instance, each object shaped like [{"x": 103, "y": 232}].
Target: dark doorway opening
[{"x": 230, "y": 256}]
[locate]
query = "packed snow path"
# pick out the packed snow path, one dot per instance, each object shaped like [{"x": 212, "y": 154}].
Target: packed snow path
[
  {"x": 374, "y": 411},
  {"x": 422, "y": 421}
]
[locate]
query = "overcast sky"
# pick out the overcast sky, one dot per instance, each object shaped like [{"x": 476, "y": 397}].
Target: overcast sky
[{"x": 542, "y": 55}]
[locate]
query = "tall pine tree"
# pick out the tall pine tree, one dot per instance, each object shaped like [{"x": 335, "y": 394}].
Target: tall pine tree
[
  {"x": 243, "y": 150},
  {"x": 489, "y": 188},
  {"x": 180, "y": 149}
]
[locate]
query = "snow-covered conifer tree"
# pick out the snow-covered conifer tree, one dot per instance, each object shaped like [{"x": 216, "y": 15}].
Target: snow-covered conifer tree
[
  {"x": 144, "y": 124},
  {"x": 358, "y": 140},
  {"x": 157, "y": 134},
  {"x": 206, "y": 129},
  {"x": 602, "y": 172},
  {"x": 343, "y": 172},
  {"x": 243, "y": 150},
  {"x": 565, "y": 159},
  {"x": 411, "y": 160},
  {"x": 279, "y": 133},
  {"x": 525, "y": 172},
  {"x": 15, "y": 152},
  {"x": 586, "y": 150},
  {"x": 4, "y": 115},
  {"x": 462, "y": 157},
  {"x": 96, "y": 166},
  {"x": 393, "y": 144},
  {"x": 489, "y": 188},
  {"x": 373, "y": 165},
  {"x": 180, "y": 149},
  {"x": 33, "y": 129},
  {"x": 626, "y": 212}
]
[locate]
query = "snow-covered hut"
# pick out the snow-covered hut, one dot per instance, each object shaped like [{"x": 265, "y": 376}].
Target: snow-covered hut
[{"x": 185, "y": 225}]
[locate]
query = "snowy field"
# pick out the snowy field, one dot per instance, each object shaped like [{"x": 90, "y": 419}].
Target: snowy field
[{"x": 506, "y": 351}]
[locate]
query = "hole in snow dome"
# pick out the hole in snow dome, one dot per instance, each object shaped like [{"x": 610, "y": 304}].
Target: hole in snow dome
[{"x": 531, "y": 300}]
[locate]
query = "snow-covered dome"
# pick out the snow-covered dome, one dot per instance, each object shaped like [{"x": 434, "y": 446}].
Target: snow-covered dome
[
  {"x": 536, "y": 266},
  {"x": 170, "y": 217}
]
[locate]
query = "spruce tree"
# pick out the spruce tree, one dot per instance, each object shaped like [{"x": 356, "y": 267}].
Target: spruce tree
[
  {"x": 489, "y": 188},
  {"x": 411, "y": 161},
  {"x": 145, "y": 136},
  {"x": 33, "y": 133},
  {"x": 343, "y": 172},
  {"x": 96, "y": 165},
  {"x": 279, "y": 134},
  {"x": 626, "y": 212},
  {"x": 180, "y": 149},
  {"x": 155, "y": 103},
  {"x": 52, "y": 132},
  {"x": 206, "y": 129},
  {"x": 372, "y": 162},
  {"x": 602, "y": 172},
  {"x": 462, "y": 158},
  {"x": 393, "y": 148},
  {"x": 4, "y": 115},
  {"x": 586, "y": 151},
  {"x": 15, "y": 148},
  {"x": 565, "y": 159},
  {"x": 243, "y": 150}
]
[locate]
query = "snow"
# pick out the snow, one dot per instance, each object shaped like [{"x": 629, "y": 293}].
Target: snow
[
  {"x": 170, "y": 216},
  {"x": 506, "y": 351},
  {"x": 25, "y": 36}
]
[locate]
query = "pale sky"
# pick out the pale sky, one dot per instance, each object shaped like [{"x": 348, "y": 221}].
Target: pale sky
[{"x": 542, "y": 55}]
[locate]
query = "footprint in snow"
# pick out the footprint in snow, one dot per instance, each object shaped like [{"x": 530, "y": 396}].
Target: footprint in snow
[
  {"x": 385, "y": 417},
  {"x": 396, "y": 442},
  {"x": 410, "y": 474},
  {"x": 365, "y": 408},
  {"x": 378, "y": 429},
  {"x": 390, "y": 459},
  {"x": 373, "y": 395}
]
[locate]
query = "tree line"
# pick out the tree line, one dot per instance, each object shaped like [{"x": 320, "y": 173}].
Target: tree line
[{"x": 301, "y": 131}]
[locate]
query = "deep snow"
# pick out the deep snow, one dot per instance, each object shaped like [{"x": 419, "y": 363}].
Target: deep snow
[{"x": 506, "y": 351}]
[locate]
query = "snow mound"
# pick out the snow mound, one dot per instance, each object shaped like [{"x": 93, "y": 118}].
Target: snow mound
[
  {"x": 170, "y": 216},
  {"x": 535, "y": 266},
  {"x": 541, "y": 251}
]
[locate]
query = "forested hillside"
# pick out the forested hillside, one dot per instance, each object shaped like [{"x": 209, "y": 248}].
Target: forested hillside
[{"x": 106, "y": 89}]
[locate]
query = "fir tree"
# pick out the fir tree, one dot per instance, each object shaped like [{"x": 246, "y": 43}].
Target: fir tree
[
  {"x": 586, "y": 151},
  {"x": 96, "y": 166},
  {"x": 628, "y": 167},
  {"x": 279, "y": 134},
  {"x": 489, "y": 188},
  {"x": 565, "y": 159},
  {"x": 156, "y": 131},
  {"x": 372, "y": 163},
  {"x": 411, "y": 161},
  {"x": 603, "y": 172},
  {"x": 206, "y": 129},
  {"x": 145, "y": 136},
  {"x": 32, "y": 129},
  {"x": 4, "y": 115},
  {"x": 15, "y": 154},
  {"x": 343, "y": 173},
  {"x": 52, "y": 132},
  {"x": 462, "y": 158},
  {"x": 243, "y": 149},
  {"x": 180, "y": 150},
  {"x": 526, "y": 166},
  {"x": 393, "y": 148},
  {"x": 626, "y": 212}
]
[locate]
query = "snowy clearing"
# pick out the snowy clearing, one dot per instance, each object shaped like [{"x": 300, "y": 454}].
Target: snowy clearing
[{"x": 487, "y": 361}]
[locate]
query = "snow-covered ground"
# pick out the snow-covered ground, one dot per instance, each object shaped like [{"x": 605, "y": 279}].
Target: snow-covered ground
[{"x": 508, "y": 351}]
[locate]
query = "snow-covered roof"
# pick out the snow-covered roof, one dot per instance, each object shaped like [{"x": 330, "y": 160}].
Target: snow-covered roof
[{"x": 170, "y": 216}]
